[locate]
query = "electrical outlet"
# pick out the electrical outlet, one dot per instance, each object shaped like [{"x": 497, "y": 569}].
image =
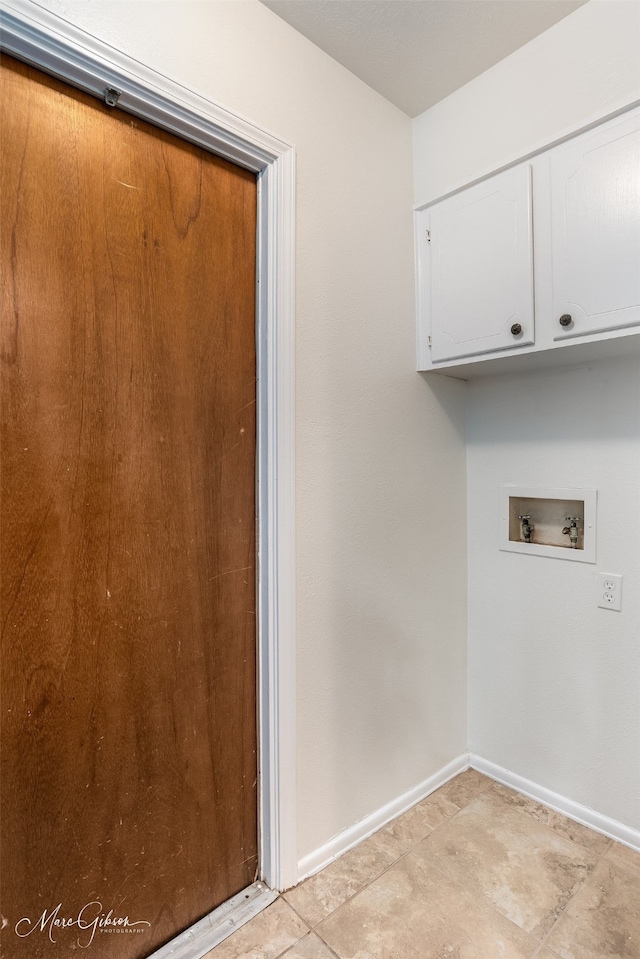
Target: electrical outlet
[{"x": 610, "y": 591}]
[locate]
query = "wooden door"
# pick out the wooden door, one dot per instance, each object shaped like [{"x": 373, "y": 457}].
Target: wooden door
[
  {"x": 595, "y": 229},
  {"x": 128, "y": 533},
  {"x": 481, "y": 253}
]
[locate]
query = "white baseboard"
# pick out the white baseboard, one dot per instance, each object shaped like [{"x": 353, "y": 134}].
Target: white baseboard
[
  {"x": 196, "y": 941},
  {"x": 317, "y": 860},
  {"x": 573, "y": 810}
]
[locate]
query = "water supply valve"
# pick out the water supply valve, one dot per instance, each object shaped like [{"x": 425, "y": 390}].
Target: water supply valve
[
  {"x": 527, "y": 527},
  {"x": 572, "y": 530}
]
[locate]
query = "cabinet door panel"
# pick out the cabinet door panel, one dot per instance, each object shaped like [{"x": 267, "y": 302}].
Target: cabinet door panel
[
  {"x": 595, "y": 230},
  {"x": 482, "y": 268}
]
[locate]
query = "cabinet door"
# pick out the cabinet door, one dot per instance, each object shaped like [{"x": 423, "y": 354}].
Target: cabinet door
[
  {"x": 595, "y": 230},
  {"x": 482, "y": 268}
]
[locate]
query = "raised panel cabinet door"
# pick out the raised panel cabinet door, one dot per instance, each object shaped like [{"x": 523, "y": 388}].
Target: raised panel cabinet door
[
  {"x": 128, "y": 646},
  {"x": 482, "y": 268},
  {"x": 595, "y": 230}
]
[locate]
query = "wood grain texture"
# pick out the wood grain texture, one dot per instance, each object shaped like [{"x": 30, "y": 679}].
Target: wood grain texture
[{"x": 128, "y": 523}]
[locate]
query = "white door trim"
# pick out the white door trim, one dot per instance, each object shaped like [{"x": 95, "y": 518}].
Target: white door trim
[{"x": 56, "y": 46}]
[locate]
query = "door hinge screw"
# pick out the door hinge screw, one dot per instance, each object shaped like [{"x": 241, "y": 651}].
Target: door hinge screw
[{"x": 428, "y": 232}]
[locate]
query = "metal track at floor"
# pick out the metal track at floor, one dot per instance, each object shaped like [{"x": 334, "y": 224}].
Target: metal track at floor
[{"x": 196, "y": 941}]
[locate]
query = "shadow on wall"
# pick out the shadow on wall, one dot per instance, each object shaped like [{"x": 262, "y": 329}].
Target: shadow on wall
[
  {"x": 379, "y": 708},
  {"x": 396, "y": 655},
  {"x": 445, "y": 391},
  {"x": 580, "y": 404}
]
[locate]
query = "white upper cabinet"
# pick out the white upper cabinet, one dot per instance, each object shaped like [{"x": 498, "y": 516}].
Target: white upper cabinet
[
  {"x": 481, "y": 254},
  {"x": 538, "y": 265},
  {"x": 595, "y": 230}
]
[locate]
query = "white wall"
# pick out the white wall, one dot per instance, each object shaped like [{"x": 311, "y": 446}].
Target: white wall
[
  {"x": 553, "y": 680},
  {"x": 380, "y": 452},
  {"x": 584, "y": 67}
]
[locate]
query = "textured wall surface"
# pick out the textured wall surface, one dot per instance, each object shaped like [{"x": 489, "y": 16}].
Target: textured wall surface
[
  {"x": 381, "y": 524},
  {"x": 553, "y": 680}
]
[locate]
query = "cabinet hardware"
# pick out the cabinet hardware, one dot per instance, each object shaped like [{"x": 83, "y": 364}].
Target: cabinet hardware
[{"x": 532, "y": 228}]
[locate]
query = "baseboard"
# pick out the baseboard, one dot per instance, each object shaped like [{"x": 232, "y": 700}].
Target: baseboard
[
  {"x": 196, "y": 941},
  {"x": 573, "y": 810},
  {"x": 350, "y": 837}
]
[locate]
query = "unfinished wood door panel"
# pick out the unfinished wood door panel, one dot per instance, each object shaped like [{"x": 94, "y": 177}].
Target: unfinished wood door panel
[{"x": 128, "y": 534}]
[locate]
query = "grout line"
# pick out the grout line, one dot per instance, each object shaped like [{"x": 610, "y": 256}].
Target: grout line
[
  {"x": 310, "y": 932},
  {"x": 447, "y": 819},
  {"x": 574, "y": 842},
  {"x": 404, "y": 855},
  {"x": 482, "y": 899},
  {"x": 551, "y": 829},
  {"x": 326, "y": 945},
  {"x": 310, "y": 928},
  {"x": 362, "y": 888},
  {"x": 599, "y": 858},
  {"x": 357, "y": 892},
  {"x": 283, "y": 955},
  {"x": 539, "y": 944},
  {"x": 542, "y": 947},
  {"x": 573, "y": 895},
  {"x": 407, "y": 852},
  {"x": 542, "y": 942},
  {"x": 334, "y": 856}
]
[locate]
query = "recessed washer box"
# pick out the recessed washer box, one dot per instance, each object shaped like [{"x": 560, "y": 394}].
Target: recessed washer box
[{"x": 549, "y": 510}]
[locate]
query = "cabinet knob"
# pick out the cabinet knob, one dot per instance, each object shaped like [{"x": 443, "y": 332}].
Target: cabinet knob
[
  {"x": 565, "y": 319},
  {"x": 516, "y": 329}
]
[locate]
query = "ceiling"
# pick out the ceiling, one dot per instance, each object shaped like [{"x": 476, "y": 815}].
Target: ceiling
[{"x": 416, "y": 52}]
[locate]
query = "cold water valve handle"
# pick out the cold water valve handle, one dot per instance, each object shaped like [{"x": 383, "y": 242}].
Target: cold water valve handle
[
  {"x": 527, "y": 527},
  {"x": 572, "y": 530}
]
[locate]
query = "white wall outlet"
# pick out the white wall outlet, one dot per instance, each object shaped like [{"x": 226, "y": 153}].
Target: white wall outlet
[{"x": 610, "y": 591}]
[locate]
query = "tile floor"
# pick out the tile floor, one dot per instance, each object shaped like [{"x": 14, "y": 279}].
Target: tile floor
[{"x": 476, "y": 871}]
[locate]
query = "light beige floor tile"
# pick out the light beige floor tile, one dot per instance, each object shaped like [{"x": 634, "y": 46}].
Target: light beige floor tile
[
  {"x": 602, "y": 921},
  {"x": 438, "y": 808},
  {"x": 413, "y": 911},
  {"x": 266, "y": 936},
  {"x": 309, "y": 948},
  {"x": 526, "y": 870},
  {"x": 407, "y": 830},
  {"x": 624, "y": 856},
  {"x": 465, "y": 787},
  {"x": 555, "y": 820},
  {"x": 321, "y": 894},
  {"x": 545, "y": 953}
]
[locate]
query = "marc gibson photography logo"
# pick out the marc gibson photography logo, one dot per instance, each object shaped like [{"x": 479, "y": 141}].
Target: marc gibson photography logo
[{"x": 90, "y": 921}]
